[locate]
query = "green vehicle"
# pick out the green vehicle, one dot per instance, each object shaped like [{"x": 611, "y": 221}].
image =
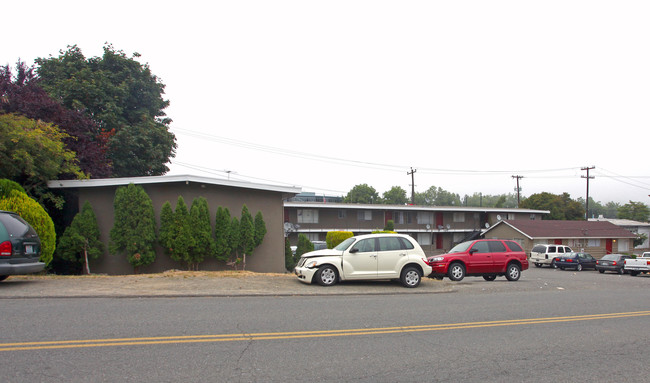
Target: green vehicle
[{"x": 20, "y": 247}]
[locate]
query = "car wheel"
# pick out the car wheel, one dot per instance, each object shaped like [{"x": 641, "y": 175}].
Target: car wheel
[
  {"x": 601, "y": 271},
  {"x": 456, "y": 271},
  {"x": 490, "y": 277},
  {"x": 579, "y": 267},
  {"x": 513, "y": 272},
  {"x": 410, "y": 277},
  {"x": 561, "y": 268},
  {"x": 538, "y": 265},
  {"x": 3, "y": 277},
  {"x": 326, "y": 275},
  {"x": 621, "y": 271},
  {"x": 634, "y": 273},
  {"x": 553, "y": 265}
]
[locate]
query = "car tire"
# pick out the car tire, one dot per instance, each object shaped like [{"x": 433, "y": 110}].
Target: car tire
[
  {"x": 327, "y": 275},
  {"x": 3, "y": 277},
  {"x": 553, "y": 265},
  {"x": 538, "y": 265},
  {"x": 621, "y": 271},
  {"x": 410, "y": 277},
  {"x": 456, "y": 271},
  {"x": 513, "y": 272},
  {"x": 634, "y": 273},
  {"x": 490, "y": 277},
  {"x": 579, "y": 267},
  {"x": 601, "y": 271}
]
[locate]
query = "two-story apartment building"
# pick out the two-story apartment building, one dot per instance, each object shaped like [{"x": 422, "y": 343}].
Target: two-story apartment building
[{"x": 436, "y": 228}]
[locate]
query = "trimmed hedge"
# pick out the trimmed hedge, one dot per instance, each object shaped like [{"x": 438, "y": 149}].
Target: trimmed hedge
[{"x": 333, "y": 238}]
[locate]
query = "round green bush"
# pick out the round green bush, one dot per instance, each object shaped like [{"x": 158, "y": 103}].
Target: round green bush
[{"x": 36, "y": 216}]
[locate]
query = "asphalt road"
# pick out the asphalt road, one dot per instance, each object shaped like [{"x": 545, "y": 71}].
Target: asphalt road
[{"x": 551, "y": 326}]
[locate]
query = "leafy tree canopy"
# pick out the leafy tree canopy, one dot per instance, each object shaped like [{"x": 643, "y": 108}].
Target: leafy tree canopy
[
  {"x": 124, "y": 99},
  {"x": 636, "y": 211},
  {"x": 436, "y": 196},
  {"x": 395, "y": 196},
  {"x": 21, "y": 94},
  {"x": 362, "y": 194},
  {"x": 562, "y": 207},
  {"x": 32, "y": 152}
]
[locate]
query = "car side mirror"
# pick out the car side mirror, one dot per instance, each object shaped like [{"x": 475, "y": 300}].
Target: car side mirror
[
  {"x": 354, "y": 250},
  {"x": 472, "y": 251}
]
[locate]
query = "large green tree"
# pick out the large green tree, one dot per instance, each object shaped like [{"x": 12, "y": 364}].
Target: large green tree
[
  {"x": 32, "y": 152},
  {"x": 134, "y": 226},
  {"x": 184, "y": 242},
  {"x": 436, "y": 196},
  {"x": 80, "y": 241},
  {"x": 362, "y": 194},
  {"x": 562, "y": 207},
  {"x": 123, "y": 97},
  {"x": 395, "y": 196},
  {"x": 246, "y": 235},
  {"x": 636, "y": 211}
]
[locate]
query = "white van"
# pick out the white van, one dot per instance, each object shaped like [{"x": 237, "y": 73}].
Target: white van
[{"x": 543, "y": 254}]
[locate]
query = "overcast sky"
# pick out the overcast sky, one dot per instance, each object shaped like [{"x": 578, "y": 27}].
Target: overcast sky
[{"x": 326, "y": 95}]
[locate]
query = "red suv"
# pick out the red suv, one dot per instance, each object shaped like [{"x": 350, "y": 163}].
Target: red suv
[{"x": 488, "y": 258}]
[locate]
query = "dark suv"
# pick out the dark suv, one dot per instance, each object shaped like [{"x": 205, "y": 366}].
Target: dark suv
[
  {"x": 20, "y": 246},
  {"x": 487, "y": 258}
]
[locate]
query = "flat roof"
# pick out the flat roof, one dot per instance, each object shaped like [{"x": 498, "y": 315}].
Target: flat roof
[
  {"x": 338, "y": 205},
  {"x": 99, "y": 182}
]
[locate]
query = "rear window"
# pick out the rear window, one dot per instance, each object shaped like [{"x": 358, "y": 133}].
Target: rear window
[
  {"x": 610, "y": 257},
  {"x": 514, "y": 246},
  {"x": 539, "y": 249},
  {"x": 15, "y": 225}
]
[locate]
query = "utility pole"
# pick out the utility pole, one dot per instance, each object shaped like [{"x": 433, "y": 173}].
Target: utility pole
[
  {"x": 518, "y": 189},
  {"x": 412, "y": 174},
  {"x": 587, "y": 168}
]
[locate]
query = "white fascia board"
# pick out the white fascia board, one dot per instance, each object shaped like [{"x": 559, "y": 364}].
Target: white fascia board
[
  {"x": 89, "y": 183},
  {"x": 335, "y": 205}
]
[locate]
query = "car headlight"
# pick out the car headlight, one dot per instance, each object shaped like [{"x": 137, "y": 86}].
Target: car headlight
[
  {"x": 436, "y": 259},
  {"x": 311, "y": 264}
]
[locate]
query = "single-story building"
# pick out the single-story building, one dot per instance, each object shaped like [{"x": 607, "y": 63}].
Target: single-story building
[
  {"x": 267, "y": 199},
  {"x": 595, "y": 238},
  {"x": 633, "y": 226}
]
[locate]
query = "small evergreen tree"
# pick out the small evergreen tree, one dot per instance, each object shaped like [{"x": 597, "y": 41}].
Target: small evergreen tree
[
  {"x": 304, "y": 246},
  {"x": 222, "y": 229},
  {"x": 183, "y": 238},
  {"x": 233, "y": 243},
  {"x": 390, "y": 225},
  {"x": 246, "y": 235},
  {"x": 134, "y": 227},
  {"x": 260, "y": 228},
  {"x": 289, "y": 263},
  {"x": 167, "y": 228},
  {"x": 203, "y": 242},
  {"x": 80, "y": 241}
]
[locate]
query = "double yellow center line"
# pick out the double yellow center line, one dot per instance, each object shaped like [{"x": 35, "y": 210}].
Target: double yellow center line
[{"x": 49, "y": 345}]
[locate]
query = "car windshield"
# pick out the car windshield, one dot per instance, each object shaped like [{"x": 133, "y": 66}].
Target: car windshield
[
  {"x": 610, "y": 257},
  {"x": 461, "y": 247},
  {"x": 345, "y": 244}
]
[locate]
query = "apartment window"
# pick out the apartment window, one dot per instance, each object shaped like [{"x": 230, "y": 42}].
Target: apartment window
[
  {"x": 593, "y": 243},
  {"x": 312, "y": 236},
  {"x": 424, "y": 239},
  {"x": 307, "y": 216},
  {"x": 459, "y": 217},
  {"x": 343, "y": 213},
  {"x": 623, "y": 245},
  {"x": 398, "y": 217},
  {"x": 364, "y": 215},
  {"x": 425, "y": 218},
  {"x": 511, "y": 216}
]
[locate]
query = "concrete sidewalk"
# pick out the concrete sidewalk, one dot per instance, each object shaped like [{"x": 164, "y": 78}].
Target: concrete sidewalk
[{"x": 195, "y": 284}]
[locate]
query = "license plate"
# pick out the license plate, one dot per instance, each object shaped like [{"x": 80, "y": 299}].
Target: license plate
[{"x": 29, "y": 249}]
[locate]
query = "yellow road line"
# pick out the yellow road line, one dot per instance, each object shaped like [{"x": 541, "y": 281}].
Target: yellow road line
[{"x": 49, "y": 345}]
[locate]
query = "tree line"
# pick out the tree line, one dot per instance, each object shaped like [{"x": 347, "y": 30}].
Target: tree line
[{"x": 561, "y": 206}]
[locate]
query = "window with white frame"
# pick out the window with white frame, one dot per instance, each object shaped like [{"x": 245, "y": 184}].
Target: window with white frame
[
  {"x": 424, "y": 239},
  {"x": 425, "y": 218},
  {"x": 364, "y": 215},
  {"x": 511, "y": 216},
  {"x": 398, "y": 218},
  {"x": 593, "y": 243},
  {"x": 307, "y": 216},
  {"x": 623, "y": 245},
  {"x": 312, "y": 236},
  {"x": 459, "y": 217},
  {"x": 343, "y": 213}
]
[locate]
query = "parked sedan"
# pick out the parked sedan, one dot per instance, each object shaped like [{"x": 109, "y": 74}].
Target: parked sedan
[
  {"x": 577, "y": 261},
  {"x": 612, "y": 262}
]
